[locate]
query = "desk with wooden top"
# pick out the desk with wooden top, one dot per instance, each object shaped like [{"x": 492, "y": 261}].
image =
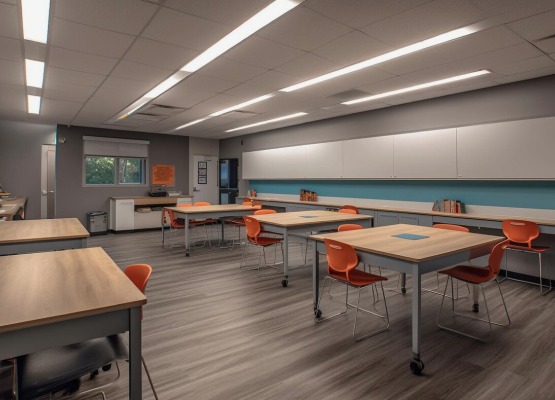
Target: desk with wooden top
[
  {"x": 207, "y": 212},
  {"x": 31, "y": 236},
  {"x": 303, "y": 222},
  {"x": 377, "y": 246},
  {"x": 59, "y": 298},
  {"x": 10, "y": 207}
]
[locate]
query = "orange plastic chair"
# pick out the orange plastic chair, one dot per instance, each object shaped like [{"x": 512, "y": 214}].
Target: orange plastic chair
[
  {"x": 521, "y": 234},
  {"x": 264, "y": 212},
  {"x": 254, "y": 238},
  {"x": 346, "y": 211},
  {"x": 202, "y": 204},
  {"x": 348, "y": 207},
  {"x": 342, "y": 263},
  {"x": 349, "y": 227},
  {"x": 476, "y": 276}
]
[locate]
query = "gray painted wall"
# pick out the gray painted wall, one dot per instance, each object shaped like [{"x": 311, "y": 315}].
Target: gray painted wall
[
  {"x": 74, "y": 200},
  {"x": 20, "y": 160},
  {"x": 520, "y": 100}
]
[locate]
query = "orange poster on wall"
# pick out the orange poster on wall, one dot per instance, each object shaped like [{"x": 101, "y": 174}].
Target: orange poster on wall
[{"x": 163, "y": 175}]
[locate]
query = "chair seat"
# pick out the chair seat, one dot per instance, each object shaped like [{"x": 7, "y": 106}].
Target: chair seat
[
  {"x": 47, "y": 371},
  {"x": 270, "y": 233},
  {"x": 357, "y": 277},
  {"x": 469, "y": 274},
  {"x": 265, "y": 241},
  {"x": 535, "y": 249}
]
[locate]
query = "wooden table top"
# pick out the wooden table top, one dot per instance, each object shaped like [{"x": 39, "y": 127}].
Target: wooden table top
[
  {"x": 41, "y": 229},
  {"x": 42, "y": 288},
  {"x": 440, "y": 242},
  {"x": 293, "y": 219},
  {"x": 11, "y": 206},
  {"x": 209, "y": 209}
]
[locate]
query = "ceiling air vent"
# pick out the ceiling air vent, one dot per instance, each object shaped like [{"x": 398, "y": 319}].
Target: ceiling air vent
[
  {"x": 159, "y": 109},
  {"x": 148, "y": 117},
  {"x": 239, "y": 114},
  {"x": 348, "y": 95}
]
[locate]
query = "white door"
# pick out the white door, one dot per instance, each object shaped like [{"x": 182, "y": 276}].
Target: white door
[
  {"x": 48, "y": 185},
  {"x": 205, "y": 179}
]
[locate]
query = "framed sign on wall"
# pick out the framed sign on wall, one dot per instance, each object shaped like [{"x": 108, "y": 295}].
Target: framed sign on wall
[{"x": 163, "y": 175}]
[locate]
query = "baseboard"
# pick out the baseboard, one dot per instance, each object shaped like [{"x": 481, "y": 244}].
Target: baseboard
[{"x": 526, "y": 278}]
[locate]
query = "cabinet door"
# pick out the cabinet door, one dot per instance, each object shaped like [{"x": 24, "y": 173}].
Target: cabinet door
[
  {"x": 368, "y": 158},
  {"x": 387, "y": 218},
  {"x": 426, "y": 155},
  {"x": 507, "y": 150},
  {"x": 254, "y": 164},
  {"x": 286, "y": 163},
  {"x": 409, "y": 219},
  {"x": 324, "y": 160},
  {"x": 125, "y": 215}
]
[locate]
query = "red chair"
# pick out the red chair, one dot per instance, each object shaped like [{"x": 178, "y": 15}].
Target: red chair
[
  {"x": 353, "y": 208},
  {"x": 262, "y": 242},
  {"x": 349, "y": 227},
  {"x": 342, "y": 263},
  {"x": 476, "y": 276},
  {"x": 208, "y": 221},
  {"x": 521, "y": 234}
]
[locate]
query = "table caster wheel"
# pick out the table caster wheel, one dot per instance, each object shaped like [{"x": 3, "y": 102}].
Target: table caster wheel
[
  {"x": 94, "y": 374},
  {"x": 475, "y": 308},
  {"x": 284, "y": 283},
  {"x": 317, "y": 313},
  {"x": 107, "y": 367},
  {"x": 403, "y": 290},
  {"x": 417, "y": 366}
]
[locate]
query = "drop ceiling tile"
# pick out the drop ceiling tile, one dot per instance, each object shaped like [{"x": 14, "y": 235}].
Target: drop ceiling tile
[
  {"x": 183, "y": 97},
  {"x": 124, "y": 16},
  {"x": 9, "y": 25},
  {"x": 141, "y": 72},
  {"x": 86, "y": 39},
  {"x": 245, "y": 91},
  {"x": 386, "y": 85},
  {"x": 304, "y": 29},
  {"x": 206, "y": 83},
  {"x": 56, "y": 111},
  {"x": 65, "y": 76},
  {"x": 131, "y": 123},
  {"x": 224, "y": 68},
  {"x": 469, "y": 87},
  {"x": 67, "y": 92},
  {"x": 308, "y": 66},
  {"x": 352, "y": 48},
  {"x": 273, "y": 80},
  {"x": 12, "y": 97},
  {"x": 517, "y": 8},
  {"x": 102, "y": 108},
  {"x": 158, "y": 54},
  {"x": 11, "y": 72},
  {"x": 536, "y": 28},
  {"x": 523, "y": 66},
  {"x": 74, "y": 60},
  {"x": 10, "y": 49},
  {"x": 526, "y": 75},
  {"x": 13, "y": 115},
  {"x": 425, "y": 21},
  {"x": 262, "y": 53},
  {"x": 229, "y": 12},
  {"x": 123, "y": 88},
  {"x": 174, "y": 27},
  {"x": 359, "y": 13},
  {"x": 288, "y": 104}
]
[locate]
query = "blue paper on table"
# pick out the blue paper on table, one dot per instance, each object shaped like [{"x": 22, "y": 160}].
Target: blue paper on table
[
  {"x": 410, "y": 236},
  {"x": 308, "y": 216}
]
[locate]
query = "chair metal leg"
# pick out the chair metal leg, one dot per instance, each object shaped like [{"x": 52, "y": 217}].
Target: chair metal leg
[
  {"x": 541, "y": 284},
  {"x": 359, "y": 338},
  {"x": 435, "y": 290},
  {"x": 318, "y": 320},
  {"x": 541, "y": 278},
  {"x": 149, "y": 378}
]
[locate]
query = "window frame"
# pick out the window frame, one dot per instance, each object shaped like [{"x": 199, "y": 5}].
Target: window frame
[{"x": 117, "y": 174}]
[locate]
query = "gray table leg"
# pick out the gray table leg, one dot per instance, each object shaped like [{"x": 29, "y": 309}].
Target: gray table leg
[
  {"x": 135, "y": 378},
  {"x": 222, "y": 221},
  {"x": 186, "y": 235},
  {"x": 285, "y": 280},
  {"x": 417, "y": 365},
  {"x": 476, "y": 298},
  {"x": 404, "y": 283},
  {"x": 315, "y": 276},
  {"x": 162, "y": 223}
]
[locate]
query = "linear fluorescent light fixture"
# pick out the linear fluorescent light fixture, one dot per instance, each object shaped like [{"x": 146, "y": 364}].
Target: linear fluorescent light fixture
[
  {"x": 445, "y": 37},
  {"x": 418, "y": 87},
  {"x": 300, "y": 114},
  {"x": 191, "y": 123},
  {"x": 33, "y": 104},
  {"x": 34, "y": 73},
  {"x": 239, "y": 106},
  {"x": 35, "y": 15},
  {"x": 251, "y": 26}
]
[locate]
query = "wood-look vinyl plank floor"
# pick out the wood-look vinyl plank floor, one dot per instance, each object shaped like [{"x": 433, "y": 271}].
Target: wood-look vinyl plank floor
[{"x": 211, "y": 331}]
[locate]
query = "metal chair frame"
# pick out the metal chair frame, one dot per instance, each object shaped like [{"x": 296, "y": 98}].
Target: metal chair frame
[{"x": 540, "y": 284}]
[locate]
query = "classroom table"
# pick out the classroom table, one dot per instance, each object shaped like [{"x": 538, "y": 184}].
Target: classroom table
[
  {"x": 208, "y": 212},
  {"x": 31, "y": 236},
  {"x": 59, "y": 298},
  {"x": 437, "y": 249},
  {"x": 303, "y": 222},
  {"x": 12, "y": 206}
]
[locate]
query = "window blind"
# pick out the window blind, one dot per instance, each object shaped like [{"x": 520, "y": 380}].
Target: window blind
[{"x": 113, "y": 147}]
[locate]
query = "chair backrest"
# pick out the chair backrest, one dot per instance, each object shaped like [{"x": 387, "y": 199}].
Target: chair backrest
[
  {"x": 347, "y": 211},
  {"x": 496, "y": 256},
  {"x": 451, "y": 227},
  {"x": 139, "y": 274},
  {"x": 246, "y": 203},
  {"x": 349, "y": 227},
  {"x": 173, "y": 219},
  {"x": 202, "y": 204},
  {"x": 264, "y": 212},
  {"x": 185, "y": 205},
  {"x": 17, "y": 217},
  {"x": 520, "y": 231},
  {"x": 341, "y": 257},
  {"x": 348, "y": 207},
  {"x": 252, "y": 225}
]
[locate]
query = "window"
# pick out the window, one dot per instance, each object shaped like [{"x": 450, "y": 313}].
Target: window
[{"x": 111, "y": 161}]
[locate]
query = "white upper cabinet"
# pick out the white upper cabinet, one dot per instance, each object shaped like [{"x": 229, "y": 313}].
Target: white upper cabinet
[
  {"x": 254, "y": 165},
  {"x": 370, "y": 158},
  {"x": 507, "y": 150},
  {"x": 426, "y": 155},
  {"x": 286, "y": 163},
  {"x": 324, "y": 160}
]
